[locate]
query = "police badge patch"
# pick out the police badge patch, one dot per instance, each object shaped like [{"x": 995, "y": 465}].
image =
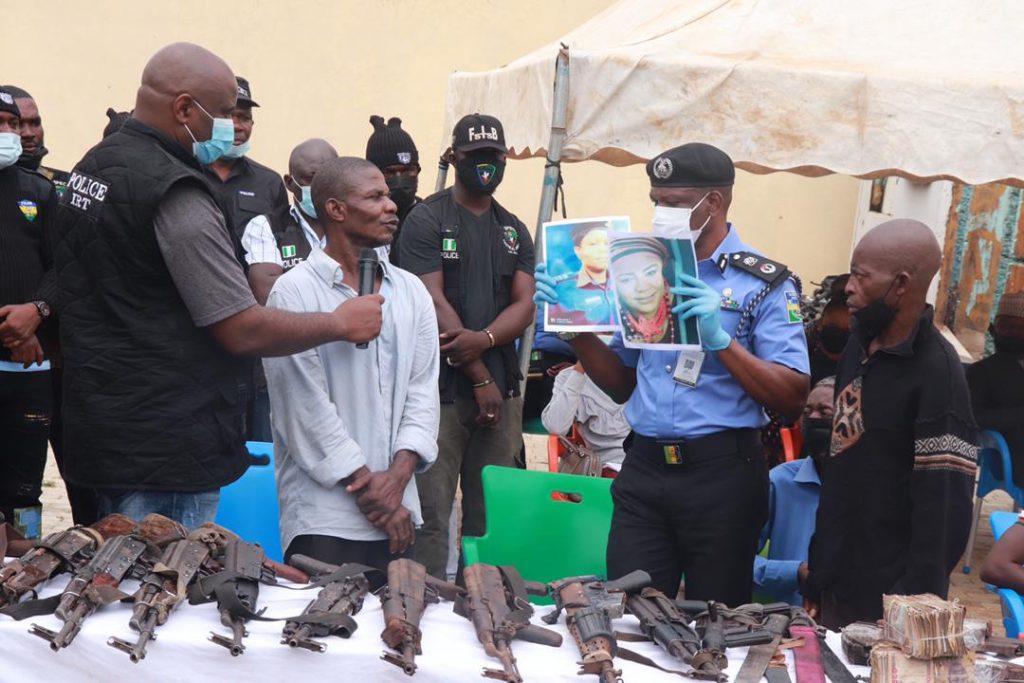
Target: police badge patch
[
  {"x": 28, "y": 209},
  {"x": 510, "y": 238},
  {"x": 404, "y": 157}
]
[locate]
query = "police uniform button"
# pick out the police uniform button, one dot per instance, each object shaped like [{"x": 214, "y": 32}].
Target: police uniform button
[{"x": 668, "y": 368}]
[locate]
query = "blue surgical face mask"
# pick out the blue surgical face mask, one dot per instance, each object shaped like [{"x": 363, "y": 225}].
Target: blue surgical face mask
[
  {"x": 221, "y": 139},
  {"x": 10, "y": 149},
  {"x": 237, "y": 151},
  {"x": 306, "y": 205}
]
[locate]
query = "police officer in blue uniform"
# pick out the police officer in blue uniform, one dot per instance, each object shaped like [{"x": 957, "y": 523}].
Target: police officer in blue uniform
[{"x": 692, "y": 495}]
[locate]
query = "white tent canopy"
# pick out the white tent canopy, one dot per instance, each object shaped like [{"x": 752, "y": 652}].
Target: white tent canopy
[{"x": 926, "y": 89}]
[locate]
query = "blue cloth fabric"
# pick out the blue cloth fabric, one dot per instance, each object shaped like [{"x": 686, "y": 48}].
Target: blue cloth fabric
[
  {"x": 662, "y": 408},
  {"x": 792, "y": 507},
  {"x": 191, "y": 509},
  {"x": 549, "y": 341}
]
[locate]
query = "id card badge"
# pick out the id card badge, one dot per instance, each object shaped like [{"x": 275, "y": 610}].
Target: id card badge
[{"x": 688, "y": 367}]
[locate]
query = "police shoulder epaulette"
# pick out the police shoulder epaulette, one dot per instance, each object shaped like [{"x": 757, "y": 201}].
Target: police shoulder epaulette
[{"x": 760, "y": 267}]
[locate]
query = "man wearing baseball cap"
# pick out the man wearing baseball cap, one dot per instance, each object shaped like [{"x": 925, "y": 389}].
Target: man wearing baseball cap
[
  {"x": 245, "y": 189},
  {"x": 692, "y": 495},
  {"x": 476, "y": 259},
  {"x": 393, "y": 151}
]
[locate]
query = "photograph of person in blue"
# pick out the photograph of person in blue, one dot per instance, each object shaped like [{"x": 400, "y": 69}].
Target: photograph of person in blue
[{"x": 576, "y": 256}]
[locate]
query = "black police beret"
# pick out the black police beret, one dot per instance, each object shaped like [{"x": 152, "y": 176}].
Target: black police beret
[{"x": 695, "y": 164}]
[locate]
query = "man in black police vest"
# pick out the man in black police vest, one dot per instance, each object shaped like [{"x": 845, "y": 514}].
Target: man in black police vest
[
  {"x": 246, "y": 189},
  {"x": 27, "y": 294},
  {"x": 476, "y": 260},
  {"x": 155, "y": 306},
  {"x": 276, "y": 243},
  {"x": 282, "y": 239}
]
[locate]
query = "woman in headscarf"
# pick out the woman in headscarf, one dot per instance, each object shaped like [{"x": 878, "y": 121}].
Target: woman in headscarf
[{"x": 645, "y": 303}]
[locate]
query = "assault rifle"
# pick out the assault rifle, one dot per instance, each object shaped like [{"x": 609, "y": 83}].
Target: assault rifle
[
  {"x": 341, "y": 597},
  {"x": 96, "y": 584},
  {"x": 162, "y": 589},
  {"x": 495, "y": 601},
  {"x": 590, "y": 605},
  {"x": 662, "y": 622},
  {"x": 61, "y": 551},
  {"x": 403, "y": 599},
  {"x": 236, "y": 588}
]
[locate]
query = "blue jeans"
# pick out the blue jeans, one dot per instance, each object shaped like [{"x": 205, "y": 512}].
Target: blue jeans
[{"x": 190, "y": 508}]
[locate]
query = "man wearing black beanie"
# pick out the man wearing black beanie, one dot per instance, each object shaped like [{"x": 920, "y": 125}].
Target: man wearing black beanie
[{"x": 392, "y": 150}]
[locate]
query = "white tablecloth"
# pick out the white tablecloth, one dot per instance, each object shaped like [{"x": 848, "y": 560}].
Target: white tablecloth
[{"x": 183, "y": 653}]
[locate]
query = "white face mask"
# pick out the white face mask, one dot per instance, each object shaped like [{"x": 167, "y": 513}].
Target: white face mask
[
  {"x": 675, "y": 221},
  {"x": 10, "y": 149}
]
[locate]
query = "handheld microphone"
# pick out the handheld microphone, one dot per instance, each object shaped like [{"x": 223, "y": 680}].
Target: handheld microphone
[{"x": 368, "y": 264}]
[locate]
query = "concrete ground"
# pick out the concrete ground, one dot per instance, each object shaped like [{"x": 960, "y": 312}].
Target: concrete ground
[{"x": 966, "y": 587}]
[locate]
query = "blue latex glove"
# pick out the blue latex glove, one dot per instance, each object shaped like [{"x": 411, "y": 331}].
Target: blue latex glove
[
  {"x": 546, "y": 292},
  {"x": 704, "y": 305}
]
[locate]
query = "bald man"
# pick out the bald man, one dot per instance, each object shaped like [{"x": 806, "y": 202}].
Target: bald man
[
  {"x": 897, "y": 484},
  {"x": 277, "y": 242},
  {"x": 158, "y": 309}
]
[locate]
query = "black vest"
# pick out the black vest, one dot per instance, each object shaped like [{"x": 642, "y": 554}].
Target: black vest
[
  {"x": 503, "y": 268},
  {"x": 291, "y": 240},
  {"x": 150, "y": 400}
]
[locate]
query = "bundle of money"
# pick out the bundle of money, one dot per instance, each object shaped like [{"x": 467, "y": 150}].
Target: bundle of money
[
  {"x": 925, "y": 626},
  {"x": 889, "y": 664}
]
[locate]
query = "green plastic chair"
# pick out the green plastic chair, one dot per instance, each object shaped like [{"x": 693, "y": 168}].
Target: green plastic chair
[
  {"x": 546, "y": 539},
  {"x": 534, "y": 426}
]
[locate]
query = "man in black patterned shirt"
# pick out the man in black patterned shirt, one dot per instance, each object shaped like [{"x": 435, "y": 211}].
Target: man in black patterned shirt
[{"x": 897, "y": 486}]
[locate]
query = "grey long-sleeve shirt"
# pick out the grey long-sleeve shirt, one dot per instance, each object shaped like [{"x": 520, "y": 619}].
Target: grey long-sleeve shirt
[
  {"x": 602, "y": 422},
  {"x": 335, "y": 408}
]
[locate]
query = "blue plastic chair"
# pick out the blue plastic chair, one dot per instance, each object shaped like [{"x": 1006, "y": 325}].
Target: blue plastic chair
[
  {"x": 249, "y": 507},
  {"x": 1011, "y": 601},
  {"x": 995, "y": 473}
]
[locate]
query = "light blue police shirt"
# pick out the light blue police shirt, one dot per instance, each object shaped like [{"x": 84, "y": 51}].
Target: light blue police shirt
[{"x": 662, "y": 408}]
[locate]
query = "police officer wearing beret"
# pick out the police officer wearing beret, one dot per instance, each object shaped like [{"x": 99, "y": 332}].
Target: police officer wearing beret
[{"x": 692, "y": 495}]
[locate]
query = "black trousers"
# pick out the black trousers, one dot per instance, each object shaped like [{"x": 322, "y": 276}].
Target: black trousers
[
  {"x": 341, "y": 550},
  {"x": 25, "y": 403},
  {"x": 82, "y": 498},
  {"x": 701, "y": 518}
]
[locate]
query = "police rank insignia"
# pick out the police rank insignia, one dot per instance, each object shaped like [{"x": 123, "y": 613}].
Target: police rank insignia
[
  {"x": 793, "y": 308},
  {"x": 510, "y": 237},
  {"x": 28, "y": 209}
]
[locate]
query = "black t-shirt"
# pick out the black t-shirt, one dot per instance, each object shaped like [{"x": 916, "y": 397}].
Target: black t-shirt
[{"x": 420, "y": 252}]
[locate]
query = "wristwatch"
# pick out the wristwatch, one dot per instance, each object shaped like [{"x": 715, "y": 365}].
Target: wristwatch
[{"x": 43, "y": 308}]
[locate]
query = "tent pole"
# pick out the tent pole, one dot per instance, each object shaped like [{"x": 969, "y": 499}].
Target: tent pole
[
  {"x": 559, "y": 111},
  {"x": 442, "y": 174}
]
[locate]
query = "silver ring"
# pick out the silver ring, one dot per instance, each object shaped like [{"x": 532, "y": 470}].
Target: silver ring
[
  {"x": 491, "y": 415},
  {"x": 448, "y": 360}
]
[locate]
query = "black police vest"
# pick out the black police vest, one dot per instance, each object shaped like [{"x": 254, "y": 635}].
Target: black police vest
[
  {"x": 291, "y": 240},
  {"x": 150, "y": 400},
  {"x": 503, "y": 266}
]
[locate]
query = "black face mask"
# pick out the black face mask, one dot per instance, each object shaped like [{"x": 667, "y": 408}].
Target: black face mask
[
  {"x": 32, "y": 161},
  {"x": 1008, "y": 343},
  {"x": 480, "y": 172},
  {"x": 403, "y": 191},
  {"x": 817, "y": 433},
  {"x": 874, "y": 318},
  {"x": 833, "y": 339}
]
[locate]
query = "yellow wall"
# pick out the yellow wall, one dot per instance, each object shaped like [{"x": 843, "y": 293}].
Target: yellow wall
[{"x": 320, "y": 68}]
